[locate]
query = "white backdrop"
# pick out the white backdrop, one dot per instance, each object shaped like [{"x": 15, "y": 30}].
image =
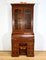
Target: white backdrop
[{"x": 39, "y": 23}]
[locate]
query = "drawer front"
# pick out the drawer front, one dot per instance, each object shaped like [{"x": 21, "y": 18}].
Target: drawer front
[
  {"x": 30, "y": 50},
  {"x": 30, "y": 44},
  {"x": 30, "y": 53},
  {"x": 15, "y": 40},
  {"x": 23, "y": 39},
  {"x": 15, "y": 46},
  {"x": 15, "y": 53}
]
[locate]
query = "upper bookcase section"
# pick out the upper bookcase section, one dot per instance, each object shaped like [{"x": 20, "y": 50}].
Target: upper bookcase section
[{"x": 22, "y": 16}]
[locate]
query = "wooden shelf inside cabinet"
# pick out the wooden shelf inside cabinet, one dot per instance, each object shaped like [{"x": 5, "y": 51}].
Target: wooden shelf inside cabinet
[{"x": 22, "y": 29}]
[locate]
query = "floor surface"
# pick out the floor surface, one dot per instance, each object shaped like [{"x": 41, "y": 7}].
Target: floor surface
[{"x": 38, "y": 56}]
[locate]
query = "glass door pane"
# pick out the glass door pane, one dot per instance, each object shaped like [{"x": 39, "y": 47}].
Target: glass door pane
[
  {"x": 19, "y": 19},
  {"x": 27, "y": 14}
]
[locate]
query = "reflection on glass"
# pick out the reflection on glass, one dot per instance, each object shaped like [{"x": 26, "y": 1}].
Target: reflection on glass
[
  {"x": 23, "y": 19},
  {"x": 27, "y": 19}
]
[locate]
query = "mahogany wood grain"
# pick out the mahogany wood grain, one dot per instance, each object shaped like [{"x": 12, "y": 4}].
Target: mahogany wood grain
[{"x": 22, "y": 35}]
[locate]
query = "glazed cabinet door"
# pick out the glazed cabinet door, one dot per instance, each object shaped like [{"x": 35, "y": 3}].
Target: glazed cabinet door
[{"x": 18, "y": 19}]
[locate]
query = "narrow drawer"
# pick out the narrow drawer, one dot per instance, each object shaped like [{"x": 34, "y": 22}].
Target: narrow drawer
[
  {"x": 30, "y": 54},
  {"x": 30, "y": 50},
  {"x": 15, "y": 53},
  {"x": 15, "y": 46},
  {"x": 16, "y": 49}
]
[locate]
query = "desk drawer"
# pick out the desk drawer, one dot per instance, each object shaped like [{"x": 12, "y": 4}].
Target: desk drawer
[{"x": 23, "y": 39}]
